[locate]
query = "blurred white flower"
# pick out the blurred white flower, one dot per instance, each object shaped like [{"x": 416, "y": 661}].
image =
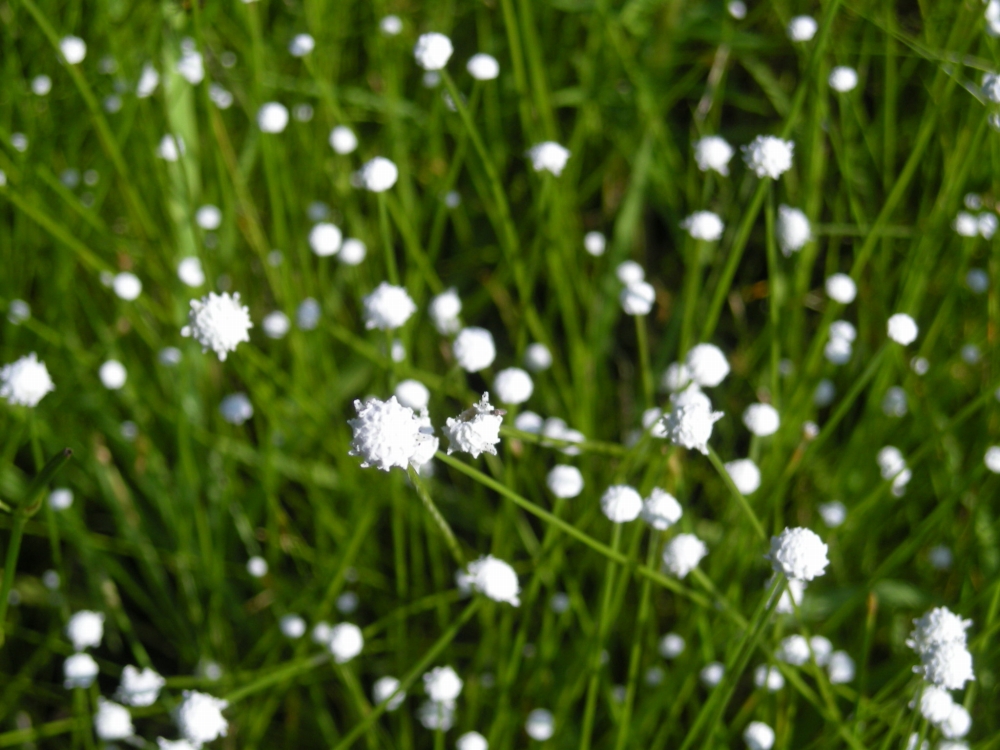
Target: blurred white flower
[
  {"x": 236, "y": 408},
  {"x": 113, "y": 374},
  {"x": 384, "y": 688},
  {"x": 758, "y": 736},
  {"x": 768, "y": 156},
  {"x": 301, "y": 45},
  {"x": 683, "y": 553},
  {"x": 41, "y": 85},
  {"x": 537, "y": 357},
  {"x": 346, "y": 642},
  {"x": 378, "y": 174},
  {"x": 190, "y": 272},
  {"x": 139, "y": 688},
  {"x": 391, "y": 25},
  {"x": 802, "y": 28},
  {"x": 793, "y": 229},
  {"x": 495, "y": 579},
  {"x": 432, "y": 51},
  {"x": 112, "y": 721},
  {"x": 706, "y": 365},
  {"x": 513, "y": 386},
  {"x": 442, "y": 684},
  {"x": 343, "y": 140},
  {"x": 637, "y": 298},
  {"x": 325, "y": 239},
  {"x": 671, "y": 646},
  {"x": 761, "y": 419},
  {"x": 149, "y": 79},
  {"x": 843, "y": 79},
  {"x": 85, "y": 629},
  {"x": 621, "y": 503},
  {"x": 595, "y": 243},
  {"x": 833, "y": 513},
  {"x": 564, "y": 481},
  {"x": 79, "y": 671},
  {"x": 127, "y": 286},
  {"x": 540, "y": 725},
  {"x": 548, "y": 156},
  {"x": 208, "y": 217},
  {"x": 798, "y": 553},
  {"x": 745, "y": 475},
  {"x": 483, "y": 67},
  {"x": 199, "y": 717},
  {"x": 902, "y": 329},
  {"x": 412, "y": 394},
  {"x": 171, "y": 148},
  {"x": 712, "y": 674},
  {"x": 769, "y": 678},
  {"x": 713, "y": 152},
  {"x": 191, "y": 66},
  {"x": 630, "y": 272},
  {"x": 352, "y": 252},
  {"x": 25, "y": 382},
  {"x": 661, "y": 510},
  {"x": 474, "y": 349},
  {"x": 704, "y": 225},
  {"x": 388, "y": 307},
  {"x": 276, "y": 325},
  {"x": 257, "y": 567},
  {"x": 840, "y": 668},
  {"x": 841, "y": 288},
  {"x": 272, "y": 117},
  {"x": 471, "y": 741},
  {"x": 73, "y": 49},
  {"x": 60, "y": 498}
]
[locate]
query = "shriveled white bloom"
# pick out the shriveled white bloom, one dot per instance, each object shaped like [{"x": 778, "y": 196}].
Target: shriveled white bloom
[
  {"x": 495, "y": 579},
  {"x": 712, "y": 674},
  {"x": 292, "y": 626},
  {"x": 793, "y": 230},
  {"x": 841, "y": 288},
  {"x": 388, "y": 307},
  {"x": 689, "y": 424},
  {"x": 386, "y": 434},
  {"x": 483, "y": 67},
  {"x": 25, "y": 381},
  {"x": 769, "y": 156},
  {"x": 474, "y": 349},
  {"x": 935, "y": 703},
  {"x": 661, "y": 510},
  {"x": 683, "y": 553},
  {"x": 704, "y": 225},
  {"x": 791, "y": 597},
  {"x": 113, "y": 374},
  {"x": 966, "y": 224},
  {"x": 843, "y": 79},
  {"x": 218, "y": 322},
  {"x": 343, "y": 140},
  {"x": 957, "y": 724},
  {"x": 442, "y": 684},
  {"x": 793, "y": 650},
  {"x": 378, "y": 174},
  {"x": 472, "y": 741},
  {"x": 564, "y": 481},
  {"x": 434, "y": 715},
  {"x": 540, "y": 725},
  {"x": 272, "y": 117},
  {"x": 41, "y": 85},
  {"x": 630, "y": 272},
  {"x": 902, "y": 329},
  {"x": 513, "y": 386},
  {"x": 939, "y": 625},
  {"x": 79, "y": 671},
  {"x": 73, "y": 49},
  {"x": 390, "y": 25},
  {"x": 412, "y": 394},
  {"x": 761, "y": 419},
  {"x": 301, "y": 45},
  {"x": 325, "y": 239},
  {"x": 257, "y": 566},
  {"x": 621, "y": 503},
  {"x": 676, "y": 377},
  {"x": 444, "y": 311},
  {"x": 476, "y": 430},
  {"x": 528, "y": 421},
  {"x": 548, "y": 156},
  {"x": 758, "y": 736},
  {"x": 432, "y": 51},
  {"x": 384, "y": 688},
  {"x": 236, "y": 408},
  {"x": 798, "y": 553},
  {"x": 60, "y": 498},
  {"x": 745, "y": 475},
  {"x": 802, "y": 28},
  {"x": 595, "y": 243},
  {"x": 671, "y": 646},
  {"x": 127, "y": 286},
  {"x": 199, "y": 717},
  {"x": 637, "y": 298},
  {"x": 713, "y": 152},
  {"x": 112, "y": 721},
  {"x": 833, "y": 513},
  {"x": 208, "y": 217},
  {"x": 191, "y": 66},
  {"x": 276, "y": 324},
  {"x": 706, "y": 365},
  {"x": 537, "y": 357},
  {"x": 139, "y": 688},
  {"x": 85, "y": 629},
  {"x": 190, "y": 272},
  {"x": 840, "y": 668},
  {"x": 769, "y": 678}
]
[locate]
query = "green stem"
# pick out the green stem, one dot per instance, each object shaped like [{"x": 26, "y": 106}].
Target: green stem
[
  {"x": 737, "y": 495},
  {"x": 644, "y": 366},
  {"x": 391, "y": 271},
  {"x": 435, "y": 514},
  {"x": 774, "y": 296}
]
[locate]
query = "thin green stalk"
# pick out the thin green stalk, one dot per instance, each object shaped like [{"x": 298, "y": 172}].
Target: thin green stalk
[
  {"x": 775, "y": 292},
  {"x": 646, "y": 371},
  {"x": 435, "y": 514},
  {"x": 391, "y": 271},
  {"x": 737, "y": 495}
]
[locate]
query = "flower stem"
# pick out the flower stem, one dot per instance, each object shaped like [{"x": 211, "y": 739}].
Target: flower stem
[
  {"x": 435, "y": 514},
  {"x": 644, "y": 366},
  {"x": 740, "y": 499}
]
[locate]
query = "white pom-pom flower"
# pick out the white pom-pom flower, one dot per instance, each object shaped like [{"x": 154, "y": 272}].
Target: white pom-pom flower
[
  {"x": 292, "y": 626},
  {"x": 798, "y": 553},
  {"x": 25, "y": 382},
  {"x": 769, "y": 156},
  {"x": 190, "y": 272},
  {"x": 388, "y": 307},
  {"x": 474, "y": 349},
  {"x": 713, "y": 152},
  {"x": 85, "y": 629},
  {"x": 378, "y": 174},
  {"x": 802, "y": 28},
  {"x": 113, "y": 375},
  {"x": 935, "y": 703},
  {"x": 513, "y": 386},
  {"x": 661, "y": 510},
  {"x": 758, "y": 736},
  {"x": 822, "y": 649},
  {"x": 385, "y": 689},
  {"x": 630, "y": 272},
  {"x": 769, "y": 678},
  {"x": 352, "y": 252},
  {"x": 199, "y": 717},
  {"x": 301, "y": 45},
  {"x": 432, "y": 51},
  {"x": 391, "y": 25},
  {"x": 444, "y": 311},
  {"x": 761, "y": 419},
  {"x": 683, "y": 553},
  {"x": 483, "y": 67},
  {"x": 537, "y": 357},
  {"x": 412, "y": 394},
  {"x": 671, "y": 646},
  {"x": 565, "y": 481},
  {"x": 595, "y": 243},
  {"x": 957, "y": 724},
  {"x": 472, "y": 741},
  {"x": 745, "y": 475},
  {"x": 386, "y": 434},
  {"x": 621, "y": 503},
  {"x": 637, "y": 298},
  {"x": 79, "y": 671},
  {"x": 495, "y": 579},
  {"x": 902, "y": 329},
  {"x": 841, "y": 668},
  {"x": 793, "y": 229},
  {"x": 966, "y": 224},
  {"x": 476, "y": 430},
  {"x": 704, "y": 225},
  {"x": 112, "y": 721},
  {"x": 127, "y": 286},
  {"x": 947, "y": 664},
  {"x": 843, "y": 79},
  {"x": 325, "y": 239},
  {"x": 442, "y": 684},
  {"x": 841, "y": 288},
  {"x": 712, "y": 674},
  {"x": 272, "y": 117},
  {"x": 171, "y": 148},
  {"x": 540, "y": 725},
  {"x": 834, "y": 513},
  {"x": 139, "y": 688},
  {"x": 208, "y": 217},
  {"x": 73, "y": 49},
  {"x": 940, "y": 625},
  {"x": 343, "y": 140},
  {"x": 690, "y": 422},
  {"x": 676, "y": 377},
  {"x": 346, "y": 642},
  {"x": 548, "y": 156},
  {"x": 218, "y": 322},
  {"x": 60, "y": 498},
  {"x": 793, "y": 650},
  {"x": 706, "y": 365}
]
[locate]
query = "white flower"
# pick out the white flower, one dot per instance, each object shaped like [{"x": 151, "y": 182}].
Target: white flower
[
  {"x": 25, "y": 382},
  {"x": 444, "y": 311},
  {"x": 432, "y": 51},
  {"x": 483, "y": 67},
  {"x": 352, "y": 252},
  {"x": 495, "y": 579},
  {"x": 41, "y": 85},
  {"x": 713, "y": 152},
  {"x": 761, "y": 419},
  {"x": 218, "y": 322},
  {"x": 386, "y": 434},
  {"x": 540, "y": 725},
  {"x": 637, "y": 298},
  {"x": 793, "y": 230},
  {"x": 957, "y": 724},
  {"x": 712, "y": 674},
  {"x": 513, "y": 386},
  {"x": 390, "y": 25},
  {"x": 236, "y": 408},
  {"x": 946, "y": 664},
  {"x": 652, "y": 420},
  {"x": 833, "y": 513},
  {"x": 769, "y": 678},
  {"x": 564, "y": 481},
  {"x": 149, "y": 79},
  {"x": 165, "y": 744},
  {"x": 191, "y": 66},
  {"x": 276, "y": 324},
  {"x": 737, "y": 9},
  {"x": 301, "y": 45},
  {"x": 676, "y": 377},
  {"x": 384, "y": 688},
  {"x": 325, "y": 239},
  {"x": 272, "y": 117},
  {"x": 343, "y": 140},
  {"x": 993, "y": 18},
  {"x": 112, "y": 374},
  {"x": 388, "y": 307},
  {"x": 671, "y": 646},
  {"x": 208, "y": 217},
  {"x": 442, "y": 684},
  {"x": 257, "y": 566},
  {"x": 793, "y": 650},
  {"x": 222, "y": 98},
  {"x": 758, "y": 736},
  {"x": 987, "y": 224},
  {"x": 991, "y": 87},
  {"x": 966, "y": 224},
  {"x": 935, "y": 703},
  {"x": 683, "y": 553},
  {"x": 112, "y": 721},
  {"x": 706, "y": 365},
  {"x": 798, "y": 553},
  {"x": 412, "y": 394},
  {"x": 85, "y": 629},
  {"x": 528, "y": 421},
  {"x": 378, "y": 174},
  {"x": 791, "y": 597},
  {"x": 60, "y": 498},
  {"x": 199, "y": 717},
  {"x": 939, "y": 625},
  {"x": 471, "y": 741},
  {"x": 992, "y": 459},
  {"x": 822, "y": 649},
  {"x": 704, "y": 225},
  {"x": 841, "y": 668},
  {"x": 838, "y": 351},
  {"x": 841, "y": 288},
  {"x": 139, "y": 688},
  {"x": 127, "y": 286},
  {"x": 476, "y": 430},
  {"x": 769, "y": 156},
  {"x": 435, "y": 715},
  {"x": 661, "y": 510},
  {"x": 548, "y": 156},
  {"x": 79, "y": 671},
  {"x": 474, "y": 349},
  {"x": 537, "y": 357},
  {"x": 629, "y": 272},
  {"x": 346, "y": 642},
  {"x": 621, "y": 503},
  {"x": 292, "y": 626},
  {"x": 690, "y": 422},
  {"x": 595, "y": 243},
  {"x": 890, "y": 461},
  {"x": 73, "y": 49},
  {"x": 802, "y": 28},
  {"x": 190, "y": 272},
  {"x": 843, "y": 79},
  {"x": 745, "y": 475},
  {"x": 902, "y": 329}
]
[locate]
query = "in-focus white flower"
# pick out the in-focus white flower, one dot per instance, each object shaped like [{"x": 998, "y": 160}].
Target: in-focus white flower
[
  {"x": 802, "y": 28},
  {"x": 41, "y": 85},
  {"x": 690, "y": 422},
  {"x": 495, "y": 579},
  {"x": 683, "y": 553},
  {"x": 630, "y": 272},
  {"x": 127, "y": 286},
  {"x": 712, "y": 674},
  {"x": 704, "y": 225},
  {"x": 390, "y": 25},
  {"x": 769, "y": 678},
  {"x": 840, "y": 668},
  {"x": 325, "y": 239},
  {"x": 902, "y": 329},
  {"x": 758, "y": 736},
  {"x": 73, "y": 49},
  {"x": 85, "y": 629},
  {"x": 476, "y": 430},
  {"x": 483, "y": 67},
  {"x": 471, "y": 741},
  {"x": 474, "y": 349},
  {"x": 343, "y": 140},
  {"x": 793, "y": 650},
  {"x": 706, "y": 365},
  {"x": 671, "y": 646},
  {"x": 301, "y": 45},
  {"x": 540, "y": 725},
  {"x": 190, "y": 272},
  {"x": 798, "y": 553},
  {"x": 833, "y": 513},
  {"x": 939, "y": 625},
  {"x": 513, "y": 386},
  {"x": 793, "y": 229},
  {"x": 378, "y": 174},
  {"x": 112, "y": 721},
  {"x": 272, "y": 117},
  {"x": 946, "y": 664},
  {"x": 432, "y": 51},
  {"x": 745, "y": 475},
  {"x": 60, "y": 498},
  {"x": 218, "y": 322},
  {"x": 384, "y": 688},
  {"x": 761, "y": 419},
  {"x": 257, "y": 566},
  {"x": 621, "y": 503},
  {"x": 191, "y": 66},
  {"x": 113, "y": 374},
  {"x": 442, "y": 684},
  {"x": 346, "y": 642},
  {"x": 548, "y": 156},
  {"x": 957, "y": 724},
  {"x": 199, "y": 717},
  {"x": 444, "y": 311},
  {"x": 25, "y": 381},
  {"x": 637, "y": 298},
  {"x": 386, "y": 434},
  {"x": 79, "y": 671},
  {"x": 595, "y": 243},
  {"x": 769, "y": 156},
  {"x": 841, "y": 288},
  {"x": 388, "y": 307},
  {"x": 661, "y": 510},
  {"x": 537, "y": 357},
  {"x": 565, "y": 481},
  {"x": 713, "y": 152},
  {"x": 843, "y": 79}
]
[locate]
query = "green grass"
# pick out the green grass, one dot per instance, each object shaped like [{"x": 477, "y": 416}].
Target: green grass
[{"x": 163, "y": 524}]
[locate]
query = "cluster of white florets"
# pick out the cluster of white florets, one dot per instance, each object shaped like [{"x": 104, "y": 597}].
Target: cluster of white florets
[
  {"x": 893, "y": 467},
  {"x": 565, "y": 481},
  {"x": 704, "y": 225},
  {"x": 621, "y": 503},
  {"x": 769, "y": 156},
  {"x": 793, "y": 229},
  {"x": 713, "y": 153},
  {"x": 495, "y": 579},
  {"x": 386, "y": 434},
  {"x": 139, "y": 687},
  {"x": 549, "y": 156},
  {"x": 661, "y": 510},
  {"x": 388, "y": 307},
  {"x": 683, "y": 553},
  {"x": 218, "y": 322},
  {"x": 476, "y": 430},
  {"x": 199, "y": 717},
  {"x": 939, "y": 639},
  {"x": 840, "y": 347},
  {"x": 474, "y": 349},
  {"x": 25, "y": 382},
  {"x": 798, "y": 553},
  {"x": 690, "y": 421}
]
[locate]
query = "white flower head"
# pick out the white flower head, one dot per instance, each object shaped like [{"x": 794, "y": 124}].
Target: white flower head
[
  {"x": 483, "y": 67},
  {"x": 902, "y": 329},
  {"x": 991, "y": 87},
  {"x": 139, "y": 688},
  {"x": 935, "y": 703},
  {"x": 432, "y": 51},
  {"x": 112, "y": 721},
  {"x": 513, "y": 386},
  {"x": 276, "y": 325},
  {"x": 149, "y": 79},
  {"x": 537, "y": 357},
  {"x": 378, "y": 174},
  {"x": 843, "y": 79},
  {"x": 386, "y": 434},
  {"x": 476, "y": 430},
  {"x": 793, "y": 650},
  {"x": 840, "y": 668},
  {"x": 190, "y": 272},
  {"x": 191, "y": 66},
  {"x": 199, "y": 717},
  {"x": 793, "y": 229},
  {"x": 384, "y": 689},
  {"x": 443, "y": 684},
  {"x": 704, "y": 225},
  {"x": 444, "y": 311},
  {"x": 683, "y": 553},
  {"x": 966, "y": 224},
  {"x": 713, "y": 152},
  {"x": 621, "y": 503},
  {"x": 706, "y": 365},
  {"x": 325, "y": 239},
  {"x": 769, "y": 678},
  {"x": 529, "y": 421},
  {"x": 745, "y": 475},
  {"x": 471, "y": 741},
  {"x": 301, "y": 45},
  {"x": 343, "y": 140},
  {"x": 802, "y": 28},
  {"x": 957, "y": 724},
  {"x": 712, "y": 674},
  {"x": 758, "y": 736},
  {"x": 61, "y": 498},
  {"x": 940, "y": 625},
  {"x": 841, "y": 288},
  {"x": 85, "y": 629},
  {"x": 761, "y": 419},
  {"x": 637, "y": 298},
  {"x": 292, "y": 626},
  {"x": 495, "y": 579},
  {"x": 474, "y": 349},
  {"x": 236, "y": 408},
  {"x": 565, "y": 481},
  {"x": 127, "y": 286},
  {"x": 540, "y": 725},
  {"x": 171, "y": 148},
  {"x": 769, "y": 156},
  {"x": 388, "y": 307},
  {"x": 79, "y": 671},
  {"x": 946, "y": 664},
  {"x": 676, "y": 377},
  {"x": 391, "y": 25},
  {"x": 346, "y": 642},
  {"x": 798, "y": 553},
  {"x": 113, "y": 375},
  {"x": 791, "y": 597},
  {"x": 834, "y": 513},
  {"x": 652, "y": 420},
  {"x": 25, "y": 382},
  {"x": 434, "y": 715},
  {"x": 671, "y": 646},
  {"x": 41, "y": 85},
  {"x": 73, "y": 49},
  {"x": 890, "y": 461},
  {"x": 549, "y": 156},
  {"x": 209, "y": 217},
  {"x": 629, "y": 272},
  {"x": 412, "y": 394},
  {"x": 218, "y": 322},
  {"x": 352, "y": 252},
  {"x": 992, "y": 459},
  {"x": 272, "y": 117},
  {"x": 661, "y": 510},
  {"x": 689, "y": 423},
  {"x": 595, "y": 243}
]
